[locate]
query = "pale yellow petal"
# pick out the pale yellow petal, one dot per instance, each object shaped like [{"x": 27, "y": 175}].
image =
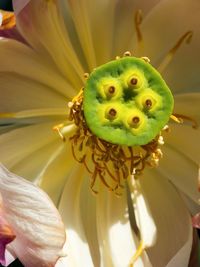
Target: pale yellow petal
[
  {"x": 174, "y": 18},
  {"x": 25, "y": 64},
  {"x": 188, "y": 104},
  {"x": 41, "y": 24},
  {"x": 77, "y": 248},
  {"x": 20, "y": 143},
  {"x": 182, "y": 171},
  {"x": 178, "y": 138}
]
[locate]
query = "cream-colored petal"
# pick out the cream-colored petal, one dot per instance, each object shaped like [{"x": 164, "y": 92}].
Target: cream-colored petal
[
  {"x": 181, "y": 258},
  {"x": 89, "y": 218},
  {"x": 178, "y": 138},
  {"x": 39, "y": 241},
  {"x": 79, "y": 12},
  {"x": 53, "y": 176},
  {"x": 188, "y": 104},
  {"x": 175, "y": 18},
  {"x": 124, "y": 36},
  {"x": 26, "y": 65},
  {"x": 182, "y": 171},
  {"x": 172, "y": 220},
  {"x": 78, "y": 252},
  {"x": 114, "y": 231},
  {"x": 33, "y": 22},
  {"x": 18, "y": 144}
]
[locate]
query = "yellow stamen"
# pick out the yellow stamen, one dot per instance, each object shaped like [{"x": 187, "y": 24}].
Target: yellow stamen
[
  {"x": 58, "y": 128},
  {"x": 169, "y": 56},
  {"x": 187, "y": 118},
  {"x": 174, "y": 118},
  {"x": 8, "y": 21},
  {"x": 137, "y": 254}
]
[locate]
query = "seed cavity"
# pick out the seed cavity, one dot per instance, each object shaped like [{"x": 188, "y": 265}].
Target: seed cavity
[
  {"x": 111, "y": 113},
  {"x": 148, "y": 103},
  {"x": 111, "y": 89},
  {"x": 134, "y": 81},
  {"x": 134, "y": 121}
]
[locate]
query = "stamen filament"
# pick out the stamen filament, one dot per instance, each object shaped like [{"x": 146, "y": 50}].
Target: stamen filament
[
  {"x": 181, "y": 118},
  {"x": 186, "y": 37},
  {"x": 137, "y": 22},
  {"x": 137, "y": 254},
  {"x": 58, "y": 128}
]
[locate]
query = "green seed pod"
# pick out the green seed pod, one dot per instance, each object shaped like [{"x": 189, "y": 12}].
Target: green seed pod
[{"x": 126, "y": 102}]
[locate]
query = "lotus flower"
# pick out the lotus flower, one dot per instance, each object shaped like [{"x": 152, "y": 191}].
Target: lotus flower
[{"x": 149, "y": 224}]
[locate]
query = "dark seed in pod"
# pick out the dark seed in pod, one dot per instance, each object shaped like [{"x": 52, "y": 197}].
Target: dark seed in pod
[
  {"x": 135, "y": 120},
  {"x": 112, "y": 112},
  {"x": 111, "y": 89},
  {"x": 133, "y": 81},
  {"x": 148, "y": 103}
]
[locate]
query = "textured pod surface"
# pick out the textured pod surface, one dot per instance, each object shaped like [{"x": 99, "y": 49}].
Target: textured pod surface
[{"x": 126, "y": 102}]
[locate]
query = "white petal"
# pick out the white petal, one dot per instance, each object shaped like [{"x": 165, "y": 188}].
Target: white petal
[
  {"x": 178, "y": 139},
  {"x": 40, "y": 233},
  {"x": 181, "y": 258},
  {"x": 171, "y": 217},
  {"x": 144, "y": 218},
  {"x": 184, "y": 174},
  {"x": 117, "y": 241},
  {"x": 78, "y": 253}
]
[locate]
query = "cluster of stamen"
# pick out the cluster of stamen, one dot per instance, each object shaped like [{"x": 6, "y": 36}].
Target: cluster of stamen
[{"x": 111, "y": 163}]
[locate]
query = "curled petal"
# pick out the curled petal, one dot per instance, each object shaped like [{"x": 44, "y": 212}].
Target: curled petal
[
  {"x": 6, "y": 235},
  {"x": 39, "y": 230}
]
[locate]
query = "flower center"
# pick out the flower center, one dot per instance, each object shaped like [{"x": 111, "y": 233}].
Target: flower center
[{"x": 120, "y": 114}]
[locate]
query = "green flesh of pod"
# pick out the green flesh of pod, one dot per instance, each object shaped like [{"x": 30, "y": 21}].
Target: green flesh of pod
[{"x": 126, "y": 102}]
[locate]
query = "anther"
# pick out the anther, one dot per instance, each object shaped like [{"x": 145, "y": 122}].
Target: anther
[
  {"x": 161, "y": 140},
  {"x": 146, "y": 59},
  {"x": 86, "y": 75},
  {"x": 127, "y": 54},
  {"x": 70, "y": 104}
]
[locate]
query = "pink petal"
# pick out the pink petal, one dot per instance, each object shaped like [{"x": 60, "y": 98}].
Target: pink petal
[
  {"x": 40, "y": 233},
  {"x": 18, "y": 5},
  {"x": 196, "y": 220},
  {"x": 6, "y": 235}
]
